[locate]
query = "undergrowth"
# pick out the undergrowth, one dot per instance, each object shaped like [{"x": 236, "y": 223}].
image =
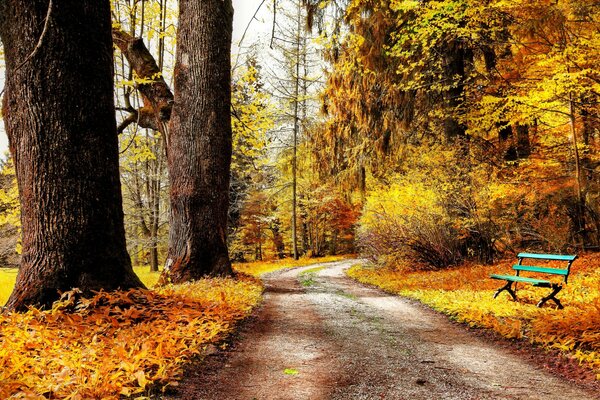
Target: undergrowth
[{"x": 466, "y": 295}]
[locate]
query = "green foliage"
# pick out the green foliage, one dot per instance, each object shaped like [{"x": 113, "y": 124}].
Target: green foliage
[
  {"x": 307, "y": 277},
  {"x": 290, "y": 371}
]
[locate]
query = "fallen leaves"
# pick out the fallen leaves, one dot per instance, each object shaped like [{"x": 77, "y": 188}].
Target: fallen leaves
[
  {"x": 121, "y": 343},
  {"x": 258, "y": 268},
  {"x": 466, "y": 294}
]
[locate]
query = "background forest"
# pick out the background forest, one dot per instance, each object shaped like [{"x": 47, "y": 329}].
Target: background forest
[{"x": 438, "y": 131}]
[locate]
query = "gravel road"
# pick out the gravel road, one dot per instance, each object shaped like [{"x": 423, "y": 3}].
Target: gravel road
[{"x": 320, "y": 335}]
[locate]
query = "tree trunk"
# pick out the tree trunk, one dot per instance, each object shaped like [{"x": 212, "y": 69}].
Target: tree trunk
[
  {"x": 456, "y": 59},
  {"x": 60, "y": 120},
  {"x": 199, "y": 145},
  {"x": 523, "y": 142},
  {"x": 277, "y": 239}
]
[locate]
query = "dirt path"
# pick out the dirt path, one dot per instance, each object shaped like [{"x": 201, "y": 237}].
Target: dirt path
[{"x": 331, "y": 338}]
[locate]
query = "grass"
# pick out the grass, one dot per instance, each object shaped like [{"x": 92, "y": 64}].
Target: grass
[
  {"x": 259, "y": 268},
  {"x": 149, "y": 278},
  {"x": 307, "y": 278},
  {"x": 9, "y": 275},
  {"x": 466, "y": 295},
  {"x": 7, "y": 282}
]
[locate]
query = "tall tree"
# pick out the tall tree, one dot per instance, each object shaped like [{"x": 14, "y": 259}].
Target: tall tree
[
  {"x": 199, "y": 142},
  {"x": 59, "y": 116},
  {"x": 196, "y": 125}
]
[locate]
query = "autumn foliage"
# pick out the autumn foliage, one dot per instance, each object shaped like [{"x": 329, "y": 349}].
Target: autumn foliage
[
  {"x": 123, "y": 343},
  {"x": 466, "y": 295},
  {"x": 468, "y": 127}
]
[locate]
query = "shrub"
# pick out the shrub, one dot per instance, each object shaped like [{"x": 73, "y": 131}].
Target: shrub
[{"x": 437, "y": 214}]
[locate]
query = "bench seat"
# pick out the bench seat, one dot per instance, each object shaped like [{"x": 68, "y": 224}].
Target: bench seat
[{"x": 514, "y": 278}]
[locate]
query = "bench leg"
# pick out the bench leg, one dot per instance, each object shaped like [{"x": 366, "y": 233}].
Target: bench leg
[
  {"x": 508, "y": 288},
  {"x": 555, "y": 290}
]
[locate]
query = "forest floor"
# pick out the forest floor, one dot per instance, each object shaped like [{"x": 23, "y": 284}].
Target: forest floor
[{"x": 321, "y": 335}]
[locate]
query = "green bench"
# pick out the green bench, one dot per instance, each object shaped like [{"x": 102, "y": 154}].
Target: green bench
[{"x": 556, "y": 287}]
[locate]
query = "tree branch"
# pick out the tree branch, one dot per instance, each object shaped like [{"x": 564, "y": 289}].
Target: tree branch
[
  {"x": 156, "y": 94},
  {"x": 144, "y": 117}
]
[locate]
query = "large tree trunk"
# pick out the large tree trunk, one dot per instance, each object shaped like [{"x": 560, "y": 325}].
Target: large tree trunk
[
  {"x": 60, "y": 119},
  {"x": 199, "y": 146},
  {"x": 456, "y": 60}
]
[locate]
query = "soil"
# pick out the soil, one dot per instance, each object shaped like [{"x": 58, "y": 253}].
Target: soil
[{"x": 320, "y": 335}]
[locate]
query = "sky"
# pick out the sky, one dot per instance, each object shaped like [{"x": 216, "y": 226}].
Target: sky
[{"x": 243, "y": 12}]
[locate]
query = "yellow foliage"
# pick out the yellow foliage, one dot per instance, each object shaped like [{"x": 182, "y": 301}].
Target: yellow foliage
[
  {"x": 122, "y": 343},
  {"x": 466, "y": 295},
  {"x": 262, "y": 267}
]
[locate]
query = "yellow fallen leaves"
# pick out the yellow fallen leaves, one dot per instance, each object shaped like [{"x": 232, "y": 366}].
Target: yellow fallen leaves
[
  {"x": 466, "y": 295},
  {"x": 258, "y": 268},
  {"x": 114, "y": 344}
]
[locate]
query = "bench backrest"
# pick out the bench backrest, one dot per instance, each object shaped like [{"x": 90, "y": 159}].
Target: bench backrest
[
  {"x": 545, "y": 270},
  {"x": 555, "y": 257}
]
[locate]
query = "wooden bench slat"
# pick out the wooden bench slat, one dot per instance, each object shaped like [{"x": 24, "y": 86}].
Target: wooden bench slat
[
  {"x": 514, "y": 278},
  {"x": 544, "y": 270},
  {"x": 556, "y": 257}
]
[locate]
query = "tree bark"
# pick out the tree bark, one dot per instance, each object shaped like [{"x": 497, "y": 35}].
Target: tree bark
[
  {"x": 59, "y": 117},
  {"x": 456, "y": 60},
  {"x": 523, "y": 142},
  {"x": 199, "y": 148}
]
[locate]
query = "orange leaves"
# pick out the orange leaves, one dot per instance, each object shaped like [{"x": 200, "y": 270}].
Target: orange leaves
[
  {"x": 466, "y": 294},
  {"x": 122, "y": 343}
]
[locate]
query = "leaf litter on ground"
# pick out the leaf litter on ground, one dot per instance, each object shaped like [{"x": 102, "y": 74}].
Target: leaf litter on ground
[{"x": 116, "y": 344}]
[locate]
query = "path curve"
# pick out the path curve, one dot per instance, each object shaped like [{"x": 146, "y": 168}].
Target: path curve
[{"x": 333, "y": 338}]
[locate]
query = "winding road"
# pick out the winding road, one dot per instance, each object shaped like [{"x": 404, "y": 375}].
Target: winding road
[{"x": 320, "y": 335}]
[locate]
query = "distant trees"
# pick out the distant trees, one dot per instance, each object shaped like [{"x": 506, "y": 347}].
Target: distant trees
[
  {"x": 145, "y": 33},
  {"x": 10, "y": 221},
  {"x": 288, "y": 210},
  {"x": 496, "y": 97},
  {"x": 252, "y": 118},
  {"x": 59, "y": 116},
  {"x": 295, "y": 82}
]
